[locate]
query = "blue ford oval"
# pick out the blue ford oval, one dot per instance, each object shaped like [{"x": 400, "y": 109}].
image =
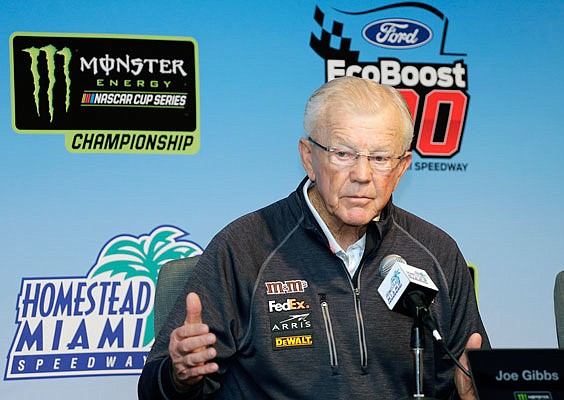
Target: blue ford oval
[{"x": 396, "y": 33}]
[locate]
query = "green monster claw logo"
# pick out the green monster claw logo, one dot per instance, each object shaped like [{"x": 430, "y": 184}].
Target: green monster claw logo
[{"x": 50, "y": 51}]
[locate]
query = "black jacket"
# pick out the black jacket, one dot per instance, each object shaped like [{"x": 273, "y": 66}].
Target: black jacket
[{"x": 292, "y": 324}]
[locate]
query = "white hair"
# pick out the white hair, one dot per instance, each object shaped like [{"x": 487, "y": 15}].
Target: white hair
[{"x": 356, "y": 95}]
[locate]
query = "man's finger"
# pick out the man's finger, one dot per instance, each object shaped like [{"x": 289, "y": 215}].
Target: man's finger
[
  {"x": 193, "y": 309},
  {"x": 474, "y": 342},
  {"x": 464, "y": 383}
]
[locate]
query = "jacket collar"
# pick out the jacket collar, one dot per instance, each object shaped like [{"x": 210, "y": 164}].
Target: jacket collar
[{"x": 375, "y": 231}]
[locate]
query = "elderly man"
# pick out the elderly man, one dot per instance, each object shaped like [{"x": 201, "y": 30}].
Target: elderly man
[{"x": 284, "y": 303}]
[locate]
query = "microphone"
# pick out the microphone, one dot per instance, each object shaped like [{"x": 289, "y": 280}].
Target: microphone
[{"x": 408, "y": 290}]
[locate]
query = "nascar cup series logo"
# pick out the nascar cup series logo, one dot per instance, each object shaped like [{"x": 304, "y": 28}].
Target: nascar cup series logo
[
  {"x": 435, "y": 91},
  {"x": 107, "y": 93},
  {"x": 100, "y": 324}
]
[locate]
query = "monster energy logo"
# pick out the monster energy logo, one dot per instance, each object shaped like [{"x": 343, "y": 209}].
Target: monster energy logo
[
  {"x": 532, "y": 396},
  {"x": 159, "y": 113},
  {"x": 50, "y": 52}
]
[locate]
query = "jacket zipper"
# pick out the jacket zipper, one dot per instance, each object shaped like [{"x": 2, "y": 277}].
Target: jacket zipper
[
  {"x": 329, "y": 330},
  {"x": 359, "y": 322},
  {"x": 361, "y": 334}
]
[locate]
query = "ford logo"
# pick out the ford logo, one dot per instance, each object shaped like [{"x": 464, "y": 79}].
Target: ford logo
[{"x": 397, "y": 33}]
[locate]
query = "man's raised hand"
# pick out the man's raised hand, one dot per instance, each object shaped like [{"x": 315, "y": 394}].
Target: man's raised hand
[{"x": 189, "y": 346}]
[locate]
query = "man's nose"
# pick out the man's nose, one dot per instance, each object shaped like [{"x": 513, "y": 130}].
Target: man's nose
[{"x": 361, "y": 170}]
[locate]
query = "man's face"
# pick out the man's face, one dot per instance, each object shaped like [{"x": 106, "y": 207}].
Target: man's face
[{"x": 355, "y": 194}]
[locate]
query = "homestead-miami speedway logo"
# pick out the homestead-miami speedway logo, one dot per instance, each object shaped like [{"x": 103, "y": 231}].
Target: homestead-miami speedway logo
[
  {"x": 385, "y": 38},
  {"x": 99, "y": 324}
]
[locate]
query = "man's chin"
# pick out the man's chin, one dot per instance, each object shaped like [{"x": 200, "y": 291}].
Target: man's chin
[{"x": 358, "y": 219}]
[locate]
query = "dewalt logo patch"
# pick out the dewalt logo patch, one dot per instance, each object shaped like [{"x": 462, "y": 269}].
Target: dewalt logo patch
[{"x": 285, "y": 342}]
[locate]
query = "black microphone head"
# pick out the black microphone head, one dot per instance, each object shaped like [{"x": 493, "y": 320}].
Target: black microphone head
[{"x": 388, "y": 262}]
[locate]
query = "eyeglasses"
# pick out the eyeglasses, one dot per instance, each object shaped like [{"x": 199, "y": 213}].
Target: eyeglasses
[{"x": 344, "y": 157}]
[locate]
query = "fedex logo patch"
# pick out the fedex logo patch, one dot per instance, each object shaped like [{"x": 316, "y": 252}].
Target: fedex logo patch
[{"x": 288, "y": 305}]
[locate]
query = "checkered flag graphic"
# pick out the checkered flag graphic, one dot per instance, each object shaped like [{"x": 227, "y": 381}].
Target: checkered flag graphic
[{"x": 322, "y": 45}]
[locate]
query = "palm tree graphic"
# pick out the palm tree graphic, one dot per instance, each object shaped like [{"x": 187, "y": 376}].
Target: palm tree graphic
[{"x": 144, "y": 256}]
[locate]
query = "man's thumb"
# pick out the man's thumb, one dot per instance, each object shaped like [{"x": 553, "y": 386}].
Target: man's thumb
[{"x": 193, "y": 309}]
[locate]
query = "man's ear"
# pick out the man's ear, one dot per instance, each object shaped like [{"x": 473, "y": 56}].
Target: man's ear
[
  {"x": 305, "y": 154},
  {"x": 403, "y": 167}
]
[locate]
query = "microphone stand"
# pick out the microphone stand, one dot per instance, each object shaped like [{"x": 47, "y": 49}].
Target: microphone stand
[{"x": 417, "y": 347}]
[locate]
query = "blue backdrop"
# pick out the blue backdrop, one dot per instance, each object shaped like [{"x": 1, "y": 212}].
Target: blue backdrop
[{"x": 58, "y": 209}]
